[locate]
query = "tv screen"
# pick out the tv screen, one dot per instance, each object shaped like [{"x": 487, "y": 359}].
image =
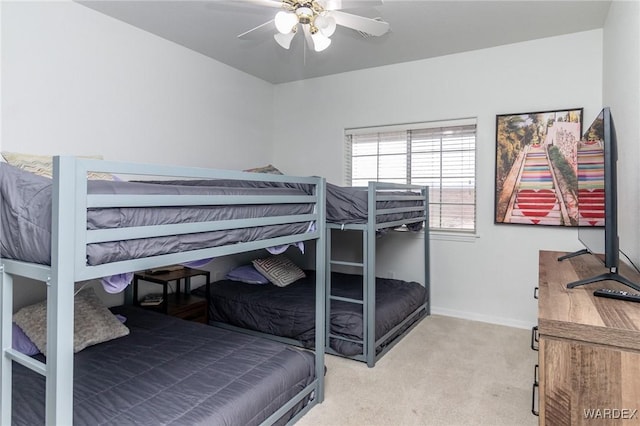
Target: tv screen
[{"x": 597, "y": 158}]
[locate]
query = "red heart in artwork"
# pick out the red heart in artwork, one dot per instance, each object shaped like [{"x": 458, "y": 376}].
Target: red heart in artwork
[
  {"x": 591, "y": 204},
  {"x": 536, "y": 202}
]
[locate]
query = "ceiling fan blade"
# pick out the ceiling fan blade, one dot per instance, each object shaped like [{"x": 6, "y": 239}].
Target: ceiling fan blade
[
  {"x": 349, "y": 4},
  {"x": 259, "y": 31},
  {"x": 360, "y": 23}
]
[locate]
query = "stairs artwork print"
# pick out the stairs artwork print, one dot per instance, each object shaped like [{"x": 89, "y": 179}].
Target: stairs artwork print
[
  {"x": 536, "y": 170},
  {"x": 536, "y": 200}
]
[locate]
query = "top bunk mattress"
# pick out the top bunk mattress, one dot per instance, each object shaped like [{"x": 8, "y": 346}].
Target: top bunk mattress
[
  {"x": 168, "y": 371},
  {"x": 26, "y": 212}
]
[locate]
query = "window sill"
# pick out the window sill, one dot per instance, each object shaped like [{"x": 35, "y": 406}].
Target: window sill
[{"x": 453, "y": 236}]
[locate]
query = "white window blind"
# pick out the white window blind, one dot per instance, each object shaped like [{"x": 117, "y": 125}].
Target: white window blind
[{"x": 440, "y": 155}]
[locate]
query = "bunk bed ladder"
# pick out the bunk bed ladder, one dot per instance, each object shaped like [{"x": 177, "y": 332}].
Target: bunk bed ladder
[
  {"x": 368, "y": 283},
  {"x": 330, "y": 297}
]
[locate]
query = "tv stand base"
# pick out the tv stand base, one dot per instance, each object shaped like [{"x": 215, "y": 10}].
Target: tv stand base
[
  {"x": 573, "y": 254},
  {"x": 608, "y": 276}
]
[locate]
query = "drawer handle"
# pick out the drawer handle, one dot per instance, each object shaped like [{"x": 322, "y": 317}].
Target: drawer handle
[
  {"x": 535, "y": 292},
  {"x": 536, "y": 371},
  {"x": 534, "y": 338},
  {"x": 534, "y": 400}
]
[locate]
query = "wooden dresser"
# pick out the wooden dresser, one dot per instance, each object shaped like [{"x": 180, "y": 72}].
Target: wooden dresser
[{"x": 589, "y": 347}]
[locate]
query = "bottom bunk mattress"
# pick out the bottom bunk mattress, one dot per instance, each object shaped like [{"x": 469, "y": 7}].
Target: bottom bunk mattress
[
  {"x": 168, "y": 371},
  {"x": 290, "y": 311}
]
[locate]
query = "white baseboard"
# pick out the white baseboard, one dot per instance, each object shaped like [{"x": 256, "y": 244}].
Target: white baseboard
[{"x": 482, "y": 318}]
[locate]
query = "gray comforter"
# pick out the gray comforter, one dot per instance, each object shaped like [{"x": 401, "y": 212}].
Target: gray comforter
[
  {"x": 25, "y": 209},
  {"x": 290, "y": 311},
  {"x": 345, "y": 204},
  {"x": 169, "y": 371}
]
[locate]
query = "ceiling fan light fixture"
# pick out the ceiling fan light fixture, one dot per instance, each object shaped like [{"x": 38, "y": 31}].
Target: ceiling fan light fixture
[
  {"x": 320, "y": 41},
  {"x": 284, "y": 40},
  {"x": 326, "y": 24},
  {"x": 285, "y": 21},
  {"x": 317, "y": 20}
]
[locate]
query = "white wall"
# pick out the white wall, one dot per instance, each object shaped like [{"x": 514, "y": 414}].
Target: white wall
[
  {"x": 76, "y": 81},
  {"x": 621, "y": 92},
  {"x": 491, "y": 278}
]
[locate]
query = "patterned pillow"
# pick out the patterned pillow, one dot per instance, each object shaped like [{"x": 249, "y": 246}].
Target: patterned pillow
[
  {"x": 280, "y": 270},
  {"x": 43, "y": 164},
  {"x": 93, "y": 322}
]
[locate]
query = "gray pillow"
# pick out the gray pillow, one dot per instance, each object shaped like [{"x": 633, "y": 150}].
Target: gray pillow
[
  {"x": 280, "y": 270},
  {"x": 93, "y": 322}
]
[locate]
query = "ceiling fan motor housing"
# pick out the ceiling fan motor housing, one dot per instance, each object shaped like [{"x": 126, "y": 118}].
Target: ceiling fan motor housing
[{"x": 305, "y": 15}]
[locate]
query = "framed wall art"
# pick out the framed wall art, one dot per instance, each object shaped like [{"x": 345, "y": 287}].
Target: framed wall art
[{"x": 536, "y": 157}]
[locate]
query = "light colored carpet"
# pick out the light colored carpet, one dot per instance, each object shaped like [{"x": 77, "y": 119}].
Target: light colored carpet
[{"x": 446, "y": 371}]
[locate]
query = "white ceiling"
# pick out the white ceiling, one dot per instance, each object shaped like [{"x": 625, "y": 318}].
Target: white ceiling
[{"x": 419, "y": 30}]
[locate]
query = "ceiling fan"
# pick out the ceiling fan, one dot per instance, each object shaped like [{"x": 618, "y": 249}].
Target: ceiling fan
[{"x": 317, "y": 19}]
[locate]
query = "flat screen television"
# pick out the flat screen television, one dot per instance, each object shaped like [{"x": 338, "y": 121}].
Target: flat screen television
[{"x": 597, "y": 158}]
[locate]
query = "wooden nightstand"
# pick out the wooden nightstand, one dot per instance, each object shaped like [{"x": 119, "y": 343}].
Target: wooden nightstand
[
  {"x": 189, "y": 307},
  {"x": 179, "y": 304}
]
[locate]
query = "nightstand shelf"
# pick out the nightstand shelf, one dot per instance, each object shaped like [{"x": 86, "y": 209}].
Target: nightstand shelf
[{"x": 181, "y": 304}]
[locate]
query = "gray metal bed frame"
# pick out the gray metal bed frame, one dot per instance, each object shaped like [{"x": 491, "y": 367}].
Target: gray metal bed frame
[
  {"x": 68, "y": 265},
  {"x": 378, "y": 191},
  {"x": 375, "y": 192}
]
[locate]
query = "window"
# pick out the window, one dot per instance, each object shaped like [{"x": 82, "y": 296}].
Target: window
[{"x": 440, "y": 155}]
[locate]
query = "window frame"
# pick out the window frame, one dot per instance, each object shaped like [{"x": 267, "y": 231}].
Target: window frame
[{"x": 465, "y": 127}]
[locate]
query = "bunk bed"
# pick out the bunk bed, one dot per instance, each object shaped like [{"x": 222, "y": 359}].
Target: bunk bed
[
  {"x": 374, "y": 211},
  {"x": 366, "y": 315},
  {"x": 93, "y": 229}
]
